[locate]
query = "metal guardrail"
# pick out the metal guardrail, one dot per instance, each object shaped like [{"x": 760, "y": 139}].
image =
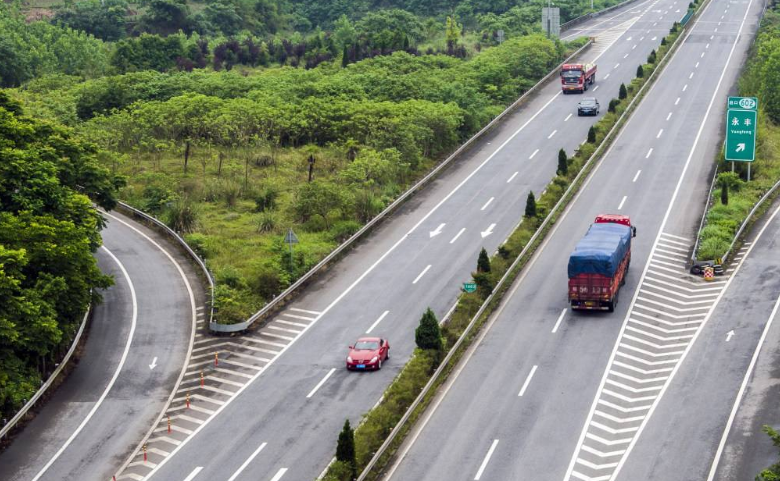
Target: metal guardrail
[
  {"x": 183, "y": 244},
  {"x": 278, "y": 300},
  {"x": 606, "y": 142},
  {"x": 749, "y": 216},
  {"x": 704, "y": 215},
  {"x": 38, "y": 394}
]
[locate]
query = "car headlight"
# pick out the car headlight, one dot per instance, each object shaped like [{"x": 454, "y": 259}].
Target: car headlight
[
  {"x": 349, "y": 359},
  {"x": 374, "y": 360}
]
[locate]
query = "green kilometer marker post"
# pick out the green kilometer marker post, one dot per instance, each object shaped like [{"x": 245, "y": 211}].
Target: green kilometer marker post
[
  {"x": 469, "y": 286},
  {"x": 741, "y": 126}
]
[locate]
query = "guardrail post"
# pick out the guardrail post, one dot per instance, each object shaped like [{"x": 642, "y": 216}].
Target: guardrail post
[
  {"x": 216, "y": 359},
  {"x": 188, "y": 400},
  {"x": 145, "y": 458}
]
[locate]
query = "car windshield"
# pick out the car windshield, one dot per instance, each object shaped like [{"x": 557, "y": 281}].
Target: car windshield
[
  {"x": 588, "y": 103},
  {"x": 372, "y": 345},
  {"x": 571, "y": 75}
]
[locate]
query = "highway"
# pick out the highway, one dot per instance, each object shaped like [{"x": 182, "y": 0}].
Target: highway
[
  {"x": 696, "y": 414},
  {"x": 547, "y": 394},
  {"x": 137, "y": 343},
  {"x": 269, "y": 405}
]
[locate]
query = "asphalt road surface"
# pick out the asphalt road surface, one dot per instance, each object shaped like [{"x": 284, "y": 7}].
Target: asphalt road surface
[
  {"x": 136, "y": 346},
  {"x": 276, "y": 409},
  {"x": 548, "y": 394}
]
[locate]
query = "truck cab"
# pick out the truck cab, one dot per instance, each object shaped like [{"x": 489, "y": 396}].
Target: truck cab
[{"x": 575, "y": 77}]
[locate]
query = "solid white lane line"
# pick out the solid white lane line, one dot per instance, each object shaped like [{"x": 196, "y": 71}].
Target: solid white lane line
[
  {"x": 637, "y": 175},
  {"x": 537, "y": 150},
  {"x": 113, "y": 378},
  {"x": 622, "y": 202},
  {"x": 648, "y": 153},
  {"x": 669, "y": 116},
  {"x": 460, "y": 232},
  {"x": 246, "y": 463},
  {"x": 748, "y": 375},
  {"x": 606, "y": 76},
  {"x": 527, "y": 381},
  {"x": 567, "y": 117},
  {"x": 551, "y": 135},
  {"x": 511, "y": 178},
  {"x": 421, "y": 274},
  {"x": 483, "y": 207},
  {"x": 486, "y": 460},
  {"x": 558, "y": 322},
  {"x": 383, "y": 315},
  {"x": 659, "y": 134},
  {"x": 194, "y": 473},
  {"x": 677, "y": 101},
  {"x": 279, "y": 475},
  {"x": 329, "y": 374}
]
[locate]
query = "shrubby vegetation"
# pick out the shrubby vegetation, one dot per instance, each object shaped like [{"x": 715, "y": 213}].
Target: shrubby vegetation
[
  {"x": 235, "y": 159},
  {"x": 758, "y": 80},
  {"x": 48, "y": 232}
]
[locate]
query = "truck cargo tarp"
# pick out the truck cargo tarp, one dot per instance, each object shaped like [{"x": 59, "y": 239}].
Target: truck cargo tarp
[{"x": 601, "y": 250}]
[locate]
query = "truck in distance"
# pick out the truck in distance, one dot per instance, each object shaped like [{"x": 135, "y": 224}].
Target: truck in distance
[
  {"x": 599, "y": 263},
  {"x": 575, "y": 77}
]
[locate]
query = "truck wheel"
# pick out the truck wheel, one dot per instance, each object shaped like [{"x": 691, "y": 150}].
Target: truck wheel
[{"x": 611, "y": 307}]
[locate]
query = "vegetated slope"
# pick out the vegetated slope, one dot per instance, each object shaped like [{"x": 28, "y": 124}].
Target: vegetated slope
[
  {"x": 48, "y": 232},
  {"x": 227, "y": 157},
  {"x": 760, "y": 79}
]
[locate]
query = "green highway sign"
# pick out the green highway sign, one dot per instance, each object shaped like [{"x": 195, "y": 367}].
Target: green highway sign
[
  {"x": 741, "y": 128},
  {"x": 469, "y": 286}
]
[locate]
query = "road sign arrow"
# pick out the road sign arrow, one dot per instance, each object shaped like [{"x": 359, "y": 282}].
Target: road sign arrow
[
  {"x": 436, "y": 232},
  {"x": 153, "y": 364},
  {"x": 740, "y": 147},
  {"x": 729, "y": 335},
  {"x": 487, "y": 232}
]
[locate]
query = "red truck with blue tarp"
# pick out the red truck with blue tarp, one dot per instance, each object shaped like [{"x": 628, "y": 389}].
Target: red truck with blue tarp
[
  {"x": 599, "y": 263},
  {"x": 575, "y": 77}
]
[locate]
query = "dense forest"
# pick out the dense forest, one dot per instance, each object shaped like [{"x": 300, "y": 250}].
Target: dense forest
[
  {"x": 48, "y": 232},
  {"x": 231, "y": 120}
]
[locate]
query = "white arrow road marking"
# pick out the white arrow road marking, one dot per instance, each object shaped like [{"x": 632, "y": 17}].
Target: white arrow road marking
[
  {"x": 436, "y": 232},
  {"x": 740, "y": 147},
  {"x": 246, "y": 463},
  {"x": 527, "y": 381},
  {"x": 729, "y": 335},
  {"x": 487, "y": 232},
  {"x": 194, "y": 473},
  {"x": 153, "y": 364},
  {"x": 486, "y": 460}
]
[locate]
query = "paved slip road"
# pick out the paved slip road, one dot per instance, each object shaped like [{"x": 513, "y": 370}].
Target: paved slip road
[
  {"x": 691, "y": 418},
  {"x": 273, "y": 405},
  {"x": 551, "y": 395},
  {"x": 112, "y": 396}
]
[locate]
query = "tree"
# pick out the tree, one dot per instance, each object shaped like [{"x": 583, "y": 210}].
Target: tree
[
  {"x": 165, "y": 17},
  {"x": 105, "y": 20},
  {"x": 651, "y": 57},
  {"x": 483, "y": 261},
  {"x": 771, "y": 473},
  {"x": 345, "y": 57},
  {"x": 623, "y": 92},
  {"x": 724, "y": 193},
  {"x": 640, "y": 72},
  {"x": 613, "y": 105},
  {"x": 563, "y": 162},
  {"x": 592, "y": 135},
  {"x": 428, "y": 333},
  {"x": 345, "y": 448},
  {"x": 530, "y": 205},
  {"x": 319, "y": 198},
  {"x": 344, "y": 32}
]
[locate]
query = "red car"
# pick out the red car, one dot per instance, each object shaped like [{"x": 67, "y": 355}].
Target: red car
[{"x": 368, "y": 353}]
